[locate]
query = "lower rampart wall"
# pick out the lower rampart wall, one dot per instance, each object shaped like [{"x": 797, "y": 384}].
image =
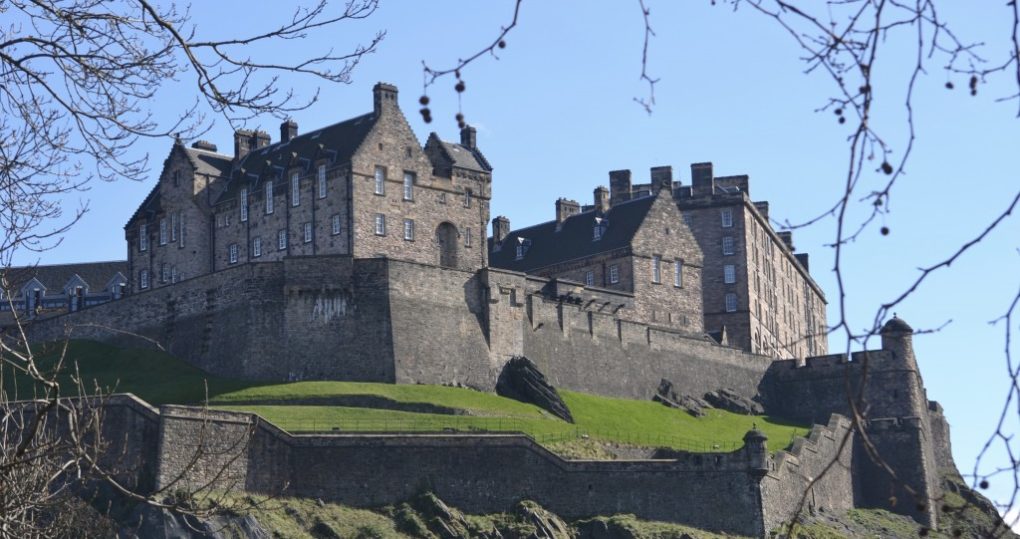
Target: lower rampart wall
[
  {"x": 480, "y": 473},
  {"x": 814, "y": 475}
]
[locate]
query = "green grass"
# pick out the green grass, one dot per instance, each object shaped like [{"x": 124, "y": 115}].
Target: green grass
[{"x": 160, "y": 378}]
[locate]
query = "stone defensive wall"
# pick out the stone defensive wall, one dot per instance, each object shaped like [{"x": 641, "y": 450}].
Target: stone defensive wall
[
  {"x": 384, "y": 320},
  {"x": 744, "y": 491}
]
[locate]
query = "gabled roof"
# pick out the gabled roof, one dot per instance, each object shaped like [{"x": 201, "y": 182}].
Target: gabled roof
[
  {"x": 94, "y": 274},
  {"x": 573, "y": 240},
  {"x": 336, "y": 142},
  {"x": 209, "y": 163},
  {"x": 464, "y": 157},
  {"x": 151, "y": 205}
]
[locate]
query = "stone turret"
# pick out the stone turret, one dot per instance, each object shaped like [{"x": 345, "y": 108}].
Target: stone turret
[
  {"x": 757, "y": 449},
  {"x": 898, "y": 337}
]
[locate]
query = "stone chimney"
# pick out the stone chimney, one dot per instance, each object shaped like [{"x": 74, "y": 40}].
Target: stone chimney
[
  {"x": 246, "y": 140},
  {"x": 469, "y": 137},
  {"x": 662, "y": 178},
  {"x": 204, "y": 145},
  {"x": 763, "y": 208},
  {"x": 500, "y": 229},
  {"x": 564, "y": 209},
  {"x": 288, "y": 130},
  {"x": 702, "y": 180},
  {"x": 619, "y": 186},
  {"x": 601, "y": 199},
  {"x": 384, "y": 97},
  {"x": 787, "y": 238}
]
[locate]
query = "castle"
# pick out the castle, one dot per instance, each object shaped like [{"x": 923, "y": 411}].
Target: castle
[{"x": 353, "y": 253}]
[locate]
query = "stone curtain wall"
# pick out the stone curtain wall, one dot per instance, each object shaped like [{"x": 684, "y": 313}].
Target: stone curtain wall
[
  {"x": 898, "y": 422},
  {"x": 219, "y": 322},
  {"x": 791, "y": 474},
  {"x": 737, "y": 492}
]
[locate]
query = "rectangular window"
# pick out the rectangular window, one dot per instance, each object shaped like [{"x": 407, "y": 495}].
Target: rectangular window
[
  {"x": 408, "y": 186},
  {"x": 727, "y": 217},
  {"x": 727, "y": 245},
  {"x": 442, "y": 198},
  {"x": 281, "y": 240},
  {"x": 233, "y": 253},
  {"x": 163, "y": 231},
  {"x": 295, "y": 189},
  {"x": 164, "y": 272},
  {"x": 380, "y": 224},
  {"x": 256, "y": 247},
  {"x": 520, "y": 252},
  {"x": 409, "y": 229},
  {"x": 173, "y": 274},
  {"x": 180, "y": 242},
  {"x": 177, "y": 178},
  {"x": 656, "y": 269},
  {"x": 614, "y": 274},
  {"x": 467, "y": 198},
  {"x": 731, "y": 302},
  {"x": 596, "y": 232},
  {"x": 336, "y": 223},
  {"x": 678, "y": 273},
  {"x": 269, "y": 197},
  {"x": 143, "y": 279},
  {"x": 143, "y": 238},
  {"x": 308, "y": 232},
  {"x": 589, "y": 278},
  {"x": 244, "y": 205},
  {"x": 467, "y": 237},
  {"x": 173, "y": 226},
  {"x": 380, "y": 181},
  {"x": 322, "y": 181},
  {"x": 729, "y": 274}
]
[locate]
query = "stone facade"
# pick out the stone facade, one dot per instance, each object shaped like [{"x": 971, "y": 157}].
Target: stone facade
[
  {"x": 756, "y": 290},
  {"x": 363, "y": 187}
]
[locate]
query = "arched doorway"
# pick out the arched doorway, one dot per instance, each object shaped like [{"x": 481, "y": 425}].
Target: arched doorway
[{"x": 446, "y": 240}]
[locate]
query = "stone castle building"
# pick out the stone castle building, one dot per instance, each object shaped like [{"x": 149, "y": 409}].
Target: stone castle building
[
  {"x": 362, "y": 187},
  {"x": 353, "y": 253}
]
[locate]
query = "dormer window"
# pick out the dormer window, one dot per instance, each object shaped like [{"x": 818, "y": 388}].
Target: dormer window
[
  {"x": 599, "y": 228},
  {"x": 522, "y": 247}
]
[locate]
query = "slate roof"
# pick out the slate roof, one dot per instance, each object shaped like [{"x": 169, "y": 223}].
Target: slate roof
[
  {"x": 151, "y": 205},
  {"x": 211, "y": 163},
  {"x": 464, "y": 157},
  {"x": 573, "y": 240},
  {"x": 336, "y": 142},
  {"x": 96, "y": 274}
]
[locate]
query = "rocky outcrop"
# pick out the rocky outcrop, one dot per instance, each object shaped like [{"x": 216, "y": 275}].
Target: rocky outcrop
[
  {"x": 730, "y": 400},
  {"x": 521, "y": 380},
  {"x": 667, "y": 395}
]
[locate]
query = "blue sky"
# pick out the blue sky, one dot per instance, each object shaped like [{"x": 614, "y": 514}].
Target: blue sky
[{"x": 555, "y": 114}]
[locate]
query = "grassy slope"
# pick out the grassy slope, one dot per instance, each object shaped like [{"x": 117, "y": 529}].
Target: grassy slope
[{"x": 160, "y": 378}]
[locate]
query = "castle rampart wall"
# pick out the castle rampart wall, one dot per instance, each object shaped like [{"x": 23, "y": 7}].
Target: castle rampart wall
[
  {"x": 478, "y": 473},
  {"x": 819, "y": 465}
]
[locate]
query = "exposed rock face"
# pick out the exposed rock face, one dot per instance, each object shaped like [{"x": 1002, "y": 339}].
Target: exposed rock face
[
  {"x": 547, "y": 525},
  {"x": 521, "y": 380},
  {"x": 730, "y": 400},
  {"x": 667, "y": 395}
]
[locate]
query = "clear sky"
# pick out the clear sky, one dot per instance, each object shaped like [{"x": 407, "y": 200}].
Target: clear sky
[{"x": 555, "y": 114}]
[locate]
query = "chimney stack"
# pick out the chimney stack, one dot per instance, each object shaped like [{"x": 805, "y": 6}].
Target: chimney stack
[
  {"x": 763, "y": 208},
  {"x": 384, "y": 97},
  {"x": 662, "y": 178},
  {"x": 288, "y": 130},
  {"x": 468, "y": 137},
  {"x": 702, "y": 180},
  {"x": 246, "y": 141},
  {"x": 787, "y": 238},
  {"x": 500, "y": 229},
  {"x": 601, "y": 199},
  {"x": 564, "y": 209},
  {"x": 619, "y": 186}
]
